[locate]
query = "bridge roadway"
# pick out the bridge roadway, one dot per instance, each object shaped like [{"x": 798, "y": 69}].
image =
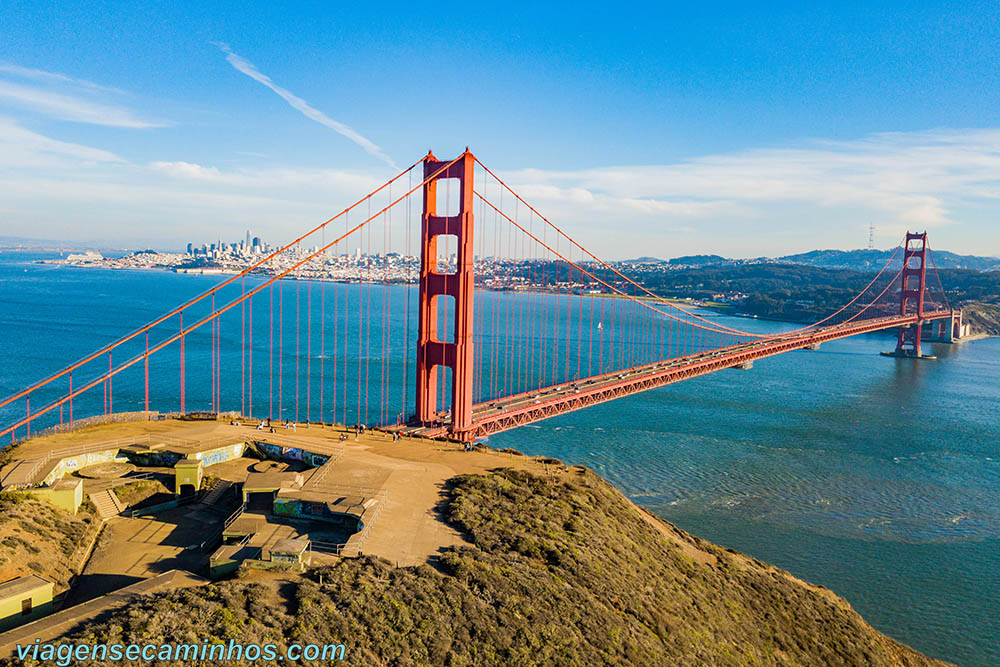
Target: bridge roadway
[{"x": 528, "y": 407}]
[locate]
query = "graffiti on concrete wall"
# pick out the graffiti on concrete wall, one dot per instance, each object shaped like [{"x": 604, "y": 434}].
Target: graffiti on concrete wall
[
  {"x": 279, "y": 453},
  {"x": 220, "y": 454},
  {"x": 300, "y": 509},
  {"x": 74, "y": 463}
]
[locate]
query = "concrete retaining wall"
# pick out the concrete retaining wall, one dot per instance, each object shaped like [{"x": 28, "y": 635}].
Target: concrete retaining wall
[{"x": 74, "y": 463}]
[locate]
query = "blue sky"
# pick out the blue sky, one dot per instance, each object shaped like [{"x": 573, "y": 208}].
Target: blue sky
[{"x": 742, "y": 129}]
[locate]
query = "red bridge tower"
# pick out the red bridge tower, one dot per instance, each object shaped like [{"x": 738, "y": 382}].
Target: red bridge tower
[{"x": 433, "y": 350}]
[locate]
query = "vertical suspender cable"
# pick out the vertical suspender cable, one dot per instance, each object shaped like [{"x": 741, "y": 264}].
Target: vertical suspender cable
[
  {"x": 181, "y": 316},
  {"x": 298, "y": 338},
  {"x": 281, "y": 346},
  {"x": 322, "y": 330},
  {"x": 270, "y": 356},
  {"x": 250, "y": 362},
  {"x": 309, "y": 310},
  {"x": 243, "y": 349}
]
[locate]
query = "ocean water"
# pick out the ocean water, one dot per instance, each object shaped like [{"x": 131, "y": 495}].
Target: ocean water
[{"x": 875, "y": 477}]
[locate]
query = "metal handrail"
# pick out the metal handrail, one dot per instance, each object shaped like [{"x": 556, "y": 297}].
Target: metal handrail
[
  {"x": 335, "y": 548},
  {"x": 233, "y": 517},
  {"x": 139, "y": 477}
]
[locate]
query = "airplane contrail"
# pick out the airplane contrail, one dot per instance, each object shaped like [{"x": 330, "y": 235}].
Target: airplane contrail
[{"x": 246, "y": 67}]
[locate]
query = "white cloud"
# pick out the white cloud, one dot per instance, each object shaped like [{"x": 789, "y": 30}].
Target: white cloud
[
  {"x": 22, "y": 148},
  {"x": 42, "y": 75},
  {"x": 907, "y": 177},
  {"x": 68, "y": 107},
  {"x": 164, "y": 204},
  {"x": 126, "y": 205},
  {"x": 145, "y": 194},
  {"x": 246, "y": 67},
  {"x": 272, "y": 178},
  {"x": 189, "y": 170}
]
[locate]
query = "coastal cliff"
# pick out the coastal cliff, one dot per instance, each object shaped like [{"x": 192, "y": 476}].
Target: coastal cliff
[
  {"x": 563, "y": 569},
  {"x": 984, "y": 318}
]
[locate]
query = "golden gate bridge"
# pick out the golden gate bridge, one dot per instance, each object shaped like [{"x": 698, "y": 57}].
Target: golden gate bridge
[{"x": 511, "y": 321}]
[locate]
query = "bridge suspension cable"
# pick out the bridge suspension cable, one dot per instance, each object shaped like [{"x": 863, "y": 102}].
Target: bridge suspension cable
[
  {"x": 211, "y": 291},
  {"x": 657, "y": 298},
  {"x": 604, "y": 264}
]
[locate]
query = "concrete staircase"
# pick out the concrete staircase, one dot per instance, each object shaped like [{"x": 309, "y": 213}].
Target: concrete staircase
[
  {"x": 107, "y": 503},
  {"x": 216, "y": 492}
]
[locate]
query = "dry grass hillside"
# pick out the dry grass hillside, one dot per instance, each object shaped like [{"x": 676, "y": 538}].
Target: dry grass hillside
[
  {"x": 562, "y": 571},
  {"x": 36, "y": 537}
]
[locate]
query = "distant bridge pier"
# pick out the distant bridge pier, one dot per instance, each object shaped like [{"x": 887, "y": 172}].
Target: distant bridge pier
[
  {"x": 814, "y": 347},
  {"x": 960, "y": 328},
  {"x": 951, "y": 330}
]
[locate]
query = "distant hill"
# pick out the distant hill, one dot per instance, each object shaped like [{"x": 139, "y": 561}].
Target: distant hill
[
  {"x": 867, "y": 260},
  {"x": 645, "y": 260},
  {"x": 686, "y": 261},
  {"x": 700, "y": 260},
  {"x": 853, "y": 260}
]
